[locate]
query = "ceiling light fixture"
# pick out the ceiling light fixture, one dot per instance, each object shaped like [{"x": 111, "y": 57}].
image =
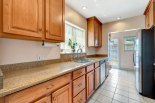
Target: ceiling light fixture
[
  {"x": 118, "y": 18},
  {"x": 84, "y": 7},
  {"x": 105, "y": 15},
  {"x": 95, "y": 0}
]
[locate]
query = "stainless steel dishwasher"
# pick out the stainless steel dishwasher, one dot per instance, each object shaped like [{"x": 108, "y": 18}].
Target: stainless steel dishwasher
[{"x": 102, "y": 70}]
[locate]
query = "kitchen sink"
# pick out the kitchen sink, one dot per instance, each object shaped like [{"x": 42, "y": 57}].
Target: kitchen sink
[{"x": 84, "y": 61}]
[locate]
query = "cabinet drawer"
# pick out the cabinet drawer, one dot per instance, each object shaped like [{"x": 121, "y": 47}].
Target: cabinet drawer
[
  {"x": 90, "y": 68},
  {"x": 33, "y": 93},
  {"x": 80, "y": 98},
  {"x": 97, "y": 64},
  {"x": 78, "y": 73},
  {"x": 78, "y": 85}
]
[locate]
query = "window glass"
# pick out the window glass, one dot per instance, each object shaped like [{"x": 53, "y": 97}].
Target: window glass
[
  {"x": 129, "y": 43},
  {"x": 76, "y": 35}
]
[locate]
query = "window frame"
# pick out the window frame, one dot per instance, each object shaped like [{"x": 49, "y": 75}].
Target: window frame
[
  {"x": 124, "y": 43},
  {"x": 75, "y": 27}
]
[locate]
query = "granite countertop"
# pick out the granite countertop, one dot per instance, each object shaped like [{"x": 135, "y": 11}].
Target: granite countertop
[{"x": 21, "y": 79}]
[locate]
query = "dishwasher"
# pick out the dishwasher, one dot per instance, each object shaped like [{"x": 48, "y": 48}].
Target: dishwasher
[{"x": 102, "y": 70}]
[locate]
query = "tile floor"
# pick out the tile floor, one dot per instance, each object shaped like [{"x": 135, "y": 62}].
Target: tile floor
[{"x": 118, "y": 88}]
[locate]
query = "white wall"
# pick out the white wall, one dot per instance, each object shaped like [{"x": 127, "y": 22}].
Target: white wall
[
  {"x": 126, "y": 58},
  {"x": 120, "y": 25}
]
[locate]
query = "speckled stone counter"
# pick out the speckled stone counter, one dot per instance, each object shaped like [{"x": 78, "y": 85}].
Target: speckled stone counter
[{"x": 21, "y": 79}]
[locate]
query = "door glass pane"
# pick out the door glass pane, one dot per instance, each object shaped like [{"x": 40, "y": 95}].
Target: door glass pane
[{"x": 114, "y": 59}]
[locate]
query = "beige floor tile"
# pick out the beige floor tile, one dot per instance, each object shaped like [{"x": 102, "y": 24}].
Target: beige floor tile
[
  {"x": 133, "y": 91},
  {"x": 91, "y": 101},
  {"x": 108, "y": 93},
  {"x": 114, "y": 101},
  {"x": 112, "y": 84},
  {"x": 120, "y": 98},
  {"x": 134, "y": 101},
  {"x": 110, "y": 88},
  {"x": 95, "y": 95},
  {"x": 136, "y": 97},
  {"x": 99, "y": 90},
  {"x": 112, "y": 81},
  {"x": 148, "y": 100},
  {"x": 104, "y": 99},
  {"x": 102, "y": 86},
  {"x": 121, "y": 92},
  {"x": 123, "y": 88}
]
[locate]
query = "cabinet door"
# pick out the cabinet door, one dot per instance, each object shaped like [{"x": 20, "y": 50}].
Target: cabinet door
[
  {"x": 100, "y": 36},
  {"x": 151, "y": 15},
  {"x": 62, "y": 95},
  {"x": 96, "y": 36},
  {"x": 23, "y": 17},
  {"x": 97, "y": 77},
  {"x": 55, "y": 20},
  {"x": 90, "y": 84},
  {"x": 147, "y": 21},
  {"x": 44, "y": 100}
]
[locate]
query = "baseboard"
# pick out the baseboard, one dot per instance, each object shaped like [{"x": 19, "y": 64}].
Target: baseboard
[{"x": 127, "y": 69}]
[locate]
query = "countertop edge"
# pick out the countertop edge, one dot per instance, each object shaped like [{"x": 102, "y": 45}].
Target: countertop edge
[{"x": 45, "y": 80}]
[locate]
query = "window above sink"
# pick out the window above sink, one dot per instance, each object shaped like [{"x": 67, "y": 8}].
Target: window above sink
[{"x": 76, "y": 34}]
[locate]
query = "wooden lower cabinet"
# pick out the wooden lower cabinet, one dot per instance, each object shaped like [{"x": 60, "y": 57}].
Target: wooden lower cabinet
[
  {"x": 80, "y": 98},
  {"x": 62, "y": 95},
  {"x": 46, "y": 99},
  {"x": 90, "y": 84},
  {"x": 97, "y": 77}
]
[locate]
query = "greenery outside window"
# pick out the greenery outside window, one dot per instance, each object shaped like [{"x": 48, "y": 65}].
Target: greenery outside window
[
  {"x": 129, "y": 43},
  {"x": 76, "y": 35}
]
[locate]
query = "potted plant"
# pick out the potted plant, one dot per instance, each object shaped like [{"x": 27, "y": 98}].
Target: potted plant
[{"x": 72, "y": 45}]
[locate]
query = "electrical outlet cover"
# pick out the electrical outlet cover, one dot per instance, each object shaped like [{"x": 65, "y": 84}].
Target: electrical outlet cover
[{"x": 39, "y": 57}]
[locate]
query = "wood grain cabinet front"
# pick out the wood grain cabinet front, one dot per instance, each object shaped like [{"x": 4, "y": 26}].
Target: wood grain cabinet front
[
  {"x": 90, "y": 84},
  {"x": 62, "y": 95},
  {"x": 33, "y": 20},
  {"x": 55, "y": 20},
  {"x": 94, "y": 32},
  {"x": 23, "y": 17},
  {"x": 46, "y": 99},
  {"x": 80, "y": 98},
  {"x": 97, "y": 77},
  {"x": 78, "y": 73},
  {"x": 78, "y": 85}
]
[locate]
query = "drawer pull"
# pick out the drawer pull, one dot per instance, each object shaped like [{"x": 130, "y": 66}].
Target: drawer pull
[
  {"x": 80, "y": 72},
  {"x": 80, "y": 85},
  {"x": 50, "y": 87},
  {"x": 80, "y": 100}
]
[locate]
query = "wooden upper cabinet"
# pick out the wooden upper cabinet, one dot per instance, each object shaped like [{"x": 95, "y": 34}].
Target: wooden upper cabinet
[
  {"x": 63, "y": 95},
  {"x": 100, "y": 36},
  {"x": 94, "y": 32},
  {"x": 55, "y": 20},
  {"x": 149, "y": 15},
  {"x": 23, "y": 17},
  {"x": 41, "y": 20}
]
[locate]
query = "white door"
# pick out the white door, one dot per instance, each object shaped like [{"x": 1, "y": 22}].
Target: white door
[{"x": 114, "y": 53}]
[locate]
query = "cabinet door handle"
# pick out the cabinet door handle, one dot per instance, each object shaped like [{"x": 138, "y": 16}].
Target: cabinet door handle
[
  {"x": 55, "y": 99},
  {"x": 80, "y": 100},
  {"x": 80, "y": 85},
  {"x": 47, "y": 31},
  {"x": 40, "y": 29}
]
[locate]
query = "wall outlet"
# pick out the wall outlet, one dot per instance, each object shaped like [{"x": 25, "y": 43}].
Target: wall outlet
[
  {"x": 125, "y": 62},
  {"x": 104, "y": 46},
  {"x": 40, "y": 57}
]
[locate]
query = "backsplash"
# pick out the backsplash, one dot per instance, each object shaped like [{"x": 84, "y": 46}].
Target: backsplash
[{"x": 27, "y": 65}]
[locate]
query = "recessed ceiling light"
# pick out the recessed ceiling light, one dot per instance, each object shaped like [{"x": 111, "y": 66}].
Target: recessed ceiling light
[
  {"x": 95, "y": 0},
  {"x": 105, "y": 15},
  {"x": 118, "y": 18},
  {"x": 97, "y": 5},
  {"x": 84, "y": 7}
]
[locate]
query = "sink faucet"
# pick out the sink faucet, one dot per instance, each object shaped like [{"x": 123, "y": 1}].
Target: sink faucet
[{"x": 77, "y": 56}]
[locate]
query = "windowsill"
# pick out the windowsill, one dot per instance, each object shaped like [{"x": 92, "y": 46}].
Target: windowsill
[{"x": 72, "y": 53}]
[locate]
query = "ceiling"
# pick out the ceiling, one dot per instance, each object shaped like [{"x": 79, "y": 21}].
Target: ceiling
[{"x": 109, "y": 10}]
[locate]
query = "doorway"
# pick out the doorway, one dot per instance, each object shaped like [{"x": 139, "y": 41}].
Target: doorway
[{"x": 114, "y": 53}]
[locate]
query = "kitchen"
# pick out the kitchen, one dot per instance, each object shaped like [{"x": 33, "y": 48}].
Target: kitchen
[{"x": 34, "y": 73}]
